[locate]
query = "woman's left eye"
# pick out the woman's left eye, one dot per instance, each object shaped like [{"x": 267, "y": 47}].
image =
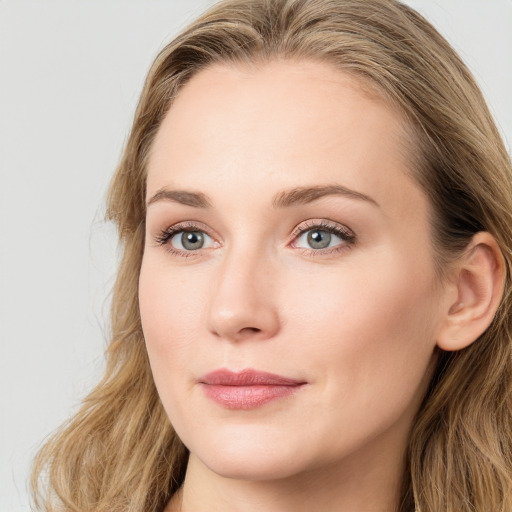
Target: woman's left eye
[{"x": 323, "y": 237}]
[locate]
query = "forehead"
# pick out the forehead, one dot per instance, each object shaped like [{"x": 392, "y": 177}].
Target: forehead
[{"x": 278, "y": 124}]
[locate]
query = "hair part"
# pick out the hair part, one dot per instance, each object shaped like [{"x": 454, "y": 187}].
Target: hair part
[{"x": 120, "y": 452}]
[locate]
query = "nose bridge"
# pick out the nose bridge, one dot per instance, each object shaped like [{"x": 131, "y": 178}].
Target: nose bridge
[{"x": 241, "y": 302}]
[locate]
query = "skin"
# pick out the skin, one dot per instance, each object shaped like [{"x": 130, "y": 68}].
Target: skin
[{"x": 357, "y": 321}]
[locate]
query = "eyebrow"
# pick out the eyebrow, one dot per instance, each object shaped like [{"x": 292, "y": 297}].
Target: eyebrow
[
  {"x": 286, "y": 199},
  {"x": 304, "y": 195},
  {"x": 194, "y": 199}
]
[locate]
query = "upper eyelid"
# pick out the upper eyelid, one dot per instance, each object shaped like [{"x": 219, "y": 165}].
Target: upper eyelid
[
  {"x": 300, "y": 228},
  {"x": 322, "y": 224},
  {"x": 190, "y": 226}
]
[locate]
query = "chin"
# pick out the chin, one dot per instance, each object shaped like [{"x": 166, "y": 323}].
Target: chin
[
  {"x": 249, "y": 457},
  {"x": 251, "y": 468}
]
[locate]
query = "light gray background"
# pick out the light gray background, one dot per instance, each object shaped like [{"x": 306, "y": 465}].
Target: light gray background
[{"x": 70, "y": 74}]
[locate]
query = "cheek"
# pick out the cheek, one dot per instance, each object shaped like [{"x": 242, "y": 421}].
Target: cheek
[
  {"x": 362, "y": 299},
  {"x": 169, "y": 305},
  {"x": 372, "y": 329}
]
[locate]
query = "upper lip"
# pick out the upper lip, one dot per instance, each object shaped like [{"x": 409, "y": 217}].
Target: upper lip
[{"x": 248, "y": 377}]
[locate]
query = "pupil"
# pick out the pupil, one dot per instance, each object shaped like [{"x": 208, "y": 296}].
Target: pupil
[
  {"x": 192, "y": 240},
  {"x": 319, "y": 239}
]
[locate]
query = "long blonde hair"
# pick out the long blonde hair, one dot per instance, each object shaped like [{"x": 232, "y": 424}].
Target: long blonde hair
[{"x": 120, "y": 452}]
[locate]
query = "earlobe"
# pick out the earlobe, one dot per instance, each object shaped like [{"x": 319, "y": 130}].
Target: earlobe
[{"x": 479, "y": 280}]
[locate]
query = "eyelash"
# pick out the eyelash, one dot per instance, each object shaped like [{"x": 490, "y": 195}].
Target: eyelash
[{"x": 346, "y": 235}]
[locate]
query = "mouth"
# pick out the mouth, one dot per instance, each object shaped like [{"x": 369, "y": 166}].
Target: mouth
[{"x": 247, "y": 389}]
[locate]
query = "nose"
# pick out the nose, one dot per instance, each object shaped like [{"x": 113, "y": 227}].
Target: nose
[{"x": 242, "y": 304}]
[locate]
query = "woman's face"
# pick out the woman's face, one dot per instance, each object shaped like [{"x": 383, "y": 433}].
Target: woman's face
[{"x": 285, "y": 237}]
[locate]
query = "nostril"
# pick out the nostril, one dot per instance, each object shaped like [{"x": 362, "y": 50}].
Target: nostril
[
  {"x": 251, "y": 329},
  {"x": 247, "y": 333}
]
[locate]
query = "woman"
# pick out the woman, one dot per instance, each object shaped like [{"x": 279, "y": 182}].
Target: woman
[{"x": 313, "y": 307}]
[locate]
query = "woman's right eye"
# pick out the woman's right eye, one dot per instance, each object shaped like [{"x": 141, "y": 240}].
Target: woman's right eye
[
  {"x": 190, "y": 240},
  {"x": 181, "y": 239}
]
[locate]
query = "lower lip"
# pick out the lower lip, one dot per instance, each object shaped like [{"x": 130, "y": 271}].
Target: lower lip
[{"x": 247, "y": 397}]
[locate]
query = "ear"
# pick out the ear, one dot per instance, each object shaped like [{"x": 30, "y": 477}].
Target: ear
[{"x": 475, "y": 293}]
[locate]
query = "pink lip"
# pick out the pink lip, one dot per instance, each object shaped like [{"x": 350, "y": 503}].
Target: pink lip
[{"x": 247, "y": 389}]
